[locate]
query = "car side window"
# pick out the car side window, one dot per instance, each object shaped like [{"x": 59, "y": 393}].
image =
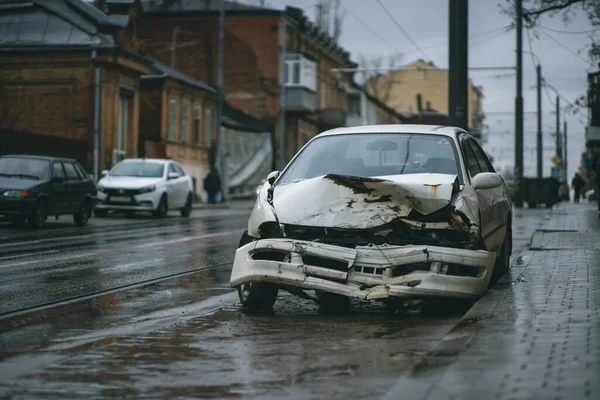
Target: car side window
[
  {"x": 72, "y": 174},
  {"x": 482, "y": 160},
  {"x": 172, "y": 168},
  {"x": 470, "y": 160},
  {"x": 81, "y": 171},
  {"x": 179, "y": 169},
  {"x": 58, "y": 171}
]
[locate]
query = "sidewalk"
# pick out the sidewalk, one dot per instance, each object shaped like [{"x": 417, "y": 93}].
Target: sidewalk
[
  {"x": 237, "y": 204},
  {"x": 536, "y": 335}
]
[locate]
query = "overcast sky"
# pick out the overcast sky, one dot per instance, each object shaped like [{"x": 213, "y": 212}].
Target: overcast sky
[{"x": 563, "y": 62}]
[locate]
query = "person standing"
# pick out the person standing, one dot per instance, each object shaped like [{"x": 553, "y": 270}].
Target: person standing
[
  {"x": 212, "y": 185},
  {"x": 578, "y": 184}
]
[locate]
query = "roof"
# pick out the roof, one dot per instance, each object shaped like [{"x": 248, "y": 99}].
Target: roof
[
  {"x": 175, "y": 6},
  {"x": 48, "y": 23},
  {"x": 398, "y": 128},
  {"x": 159, "y": 70},
  {"x": 45, "y": 158}
]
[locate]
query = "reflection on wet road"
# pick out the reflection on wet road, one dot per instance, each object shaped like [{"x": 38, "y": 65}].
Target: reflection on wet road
[{"x": 142, "y": 307}]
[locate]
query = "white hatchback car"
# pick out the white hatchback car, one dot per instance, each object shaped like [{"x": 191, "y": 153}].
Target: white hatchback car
[
  {"x": 378, "y": 213},
  {"x": 154, "y": 185}
]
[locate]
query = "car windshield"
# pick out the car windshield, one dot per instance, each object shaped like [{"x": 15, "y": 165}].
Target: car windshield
[
  {"x": 374, "y": 154},
  {"x": 142, "y": 169},
  {"x": 25, "y": 168}
]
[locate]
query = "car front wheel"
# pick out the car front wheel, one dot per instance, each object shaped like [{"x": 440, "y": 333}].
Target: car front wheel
[
  {"x": 162, "y": 209},
  {"x": 37, "y": 218},
  {"x": 257, "y": 296},
  {"x": 502, "y": 264}
]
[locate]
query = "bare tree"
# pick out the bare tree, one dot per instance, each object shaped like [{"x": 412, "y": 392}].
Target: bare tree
[
  {"x": 377, "y": 77},
  {"x": 330, "y": 17},
  {"x": 338, "y": 20}
]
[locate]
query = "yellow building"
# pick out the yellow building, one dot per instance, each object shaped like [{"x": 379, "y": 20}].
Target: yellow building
[{"x": 400, "y": 89}]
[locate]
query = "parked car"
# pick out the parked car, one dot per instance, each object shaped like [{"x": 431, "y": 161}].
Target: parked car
[
  {"x": 154, "y": 185},
  {"x": 33, "y": 188},
  {"x": 378, "y": 213}
]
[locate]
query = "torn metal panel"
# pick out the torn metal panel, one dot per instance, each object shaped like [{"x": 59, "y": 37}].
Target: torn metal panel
[{"x": 343, "y": 201}]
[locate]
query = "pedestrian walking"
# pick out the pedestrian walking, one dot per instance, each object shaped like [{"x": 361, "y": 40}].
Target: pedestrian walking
[
  {"x": 212, "y": 185},
  {"x": 578, "y": 184}
]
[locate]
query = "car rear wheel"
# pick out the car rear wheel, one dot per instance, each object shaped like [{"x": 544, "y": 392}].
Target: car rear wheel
[
  {"x": 162, "y": 209},
  {"x": 37, "y": 218},
  {"x": 186, "y": 211},
  {"x": 85, "y": 212},
  {"x": 331, "y": 303},
  {"x": 257, "y": 296}
]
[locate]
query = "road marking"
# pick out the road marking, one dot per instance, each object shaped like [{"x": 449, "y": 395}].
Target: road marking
[
  {"x": 187, "y": 239},
  {"x": 70, "y": 257},
  {"x": 40, "y": 253}
]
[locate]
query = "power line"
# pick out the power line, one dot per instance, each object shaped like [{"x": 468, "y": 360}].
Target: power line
[
  {"x": 569, "y": 32},
  {"x": 401, "y": 29},
  {"x": 371, "y": 30},
  {"x": 566, "y": 48}
]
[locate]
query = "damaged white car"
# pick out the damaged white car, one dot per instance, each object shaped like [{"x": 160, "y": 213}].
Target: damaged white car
[{"x": 380, "y": 213}]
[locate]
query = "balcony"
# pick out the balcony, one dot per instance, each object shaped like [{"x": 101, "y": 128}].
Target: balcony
[
  {"x": 592, "y": 133},
  {"x": 300, "y": 98},
  {"x": 332, "y": 118}
]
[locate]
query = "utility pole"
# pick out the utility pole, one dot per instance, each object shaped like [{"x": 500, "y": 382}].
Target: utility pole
[
  {"x": 97, "y": 88},
  {"x": 458, "y": 62},
  {"x": 519, "y": 107},
  {"x": 565, "y": 149},
  {"x": 558, "y": 150},
  {"x": 539, "y": 123},
  {"x": 281, "y": 150},
  {"x": 219, "y": 159}
]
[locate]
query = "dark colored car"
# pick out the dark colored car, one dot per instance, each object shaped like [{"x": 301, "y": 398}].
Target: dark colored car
[{"x": 33, "y": 188}]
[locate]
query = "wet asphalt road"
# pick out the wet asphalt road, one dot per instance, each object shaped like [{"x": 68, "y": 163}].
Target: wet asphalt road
[{"x": 141, "y": 307}]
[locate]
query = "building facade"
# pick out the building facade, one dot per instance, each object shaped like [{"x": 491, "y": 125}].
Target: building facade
[{"x": 420, "y": 88}]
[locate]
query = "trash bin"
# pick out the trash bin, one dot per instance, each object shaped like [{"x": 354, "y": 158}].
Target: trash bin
[{"x": 541, "y": 191}]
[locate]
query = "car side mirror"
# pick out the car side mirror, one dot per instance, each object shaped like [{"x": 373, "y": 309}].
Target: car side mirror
[
  {"x": 104, "y": 173},
  {"x": 487, "y": 180},
  {"x": 272, "y": 177},
  {"x": 173, "y": 175}
]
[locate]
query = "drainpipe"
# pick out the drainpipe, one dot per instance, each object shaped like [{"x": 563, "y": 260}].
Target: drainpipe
[{"x": 96, "y": 111}]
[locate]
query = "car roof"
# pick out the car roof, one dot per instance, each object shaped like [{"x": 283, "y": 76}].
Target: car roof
[
  {"x": 45, "y": 158},
  {"x": 153, "y": 160},
  {"x": 397, "y": 128}
]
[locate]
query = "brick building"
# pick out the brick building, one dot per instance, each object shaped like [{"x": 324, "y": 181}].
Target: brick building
[
  {"x": 49, "y": 50},
  {"x": 184, "y": 35}
]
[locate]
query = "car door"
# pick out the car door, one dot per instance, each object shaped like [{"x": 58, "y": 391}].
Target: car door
[
  {"x": 494, "y": 203},
  {"x": 183, "y": 184},
  {"x": 58, "y": 194},
  {"x": 75, "y": 184},
  {"x": 173, "y": 188}
]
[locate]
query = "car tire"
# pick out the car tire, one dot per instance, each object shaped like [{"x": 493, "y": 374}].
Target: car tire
[
  {"x": 502, "y": 264},
  {"x": 186, "y": 211},
  {"x": 162, "y": 209},
  {"x": 100, "y": 213},
  {"x": 331, "y": 303},
  {"x": 37, "y": 218},
  {"x": 83, "y": 216},
  {"x": 257, "y": 296}
]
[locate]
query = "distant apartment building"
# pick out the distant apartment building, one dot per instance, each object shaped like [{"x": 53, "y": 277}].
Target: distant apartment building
[{"x": 419, "y": 91}]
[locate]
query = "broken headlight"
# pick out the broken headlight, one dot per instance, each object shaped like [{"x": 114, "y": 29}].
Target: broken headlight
[{"x": 270, "y": 230}]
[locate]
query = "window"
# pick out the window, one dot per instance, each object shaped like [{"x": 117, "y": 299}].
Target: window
[
  {"x": 185, "y": 122},
  {"x": 178, "y": 169},
  {"x": 353, "y": 104},
  {"x": 323, "y": 94},
  {"x": 470, "y": 160},
  {"x": 208, "y": 126},
  {"x": 375, "y": 154},
  {"x": 172, "y": 168},
  {"x": 482, "y": 160},
  {"x": 123, "y": 123},
  {"x": 81, "y": 171},
  {"x": 27, "y": 168},
  {"x": 197, "y": 126},
  {"x": 300, "y": 71},
  {"x": 58, "y": 171},
  {"x": 172, "y": 119},
  {"x": 143, "y": 169},
  {"x": 72, "y": 174}
]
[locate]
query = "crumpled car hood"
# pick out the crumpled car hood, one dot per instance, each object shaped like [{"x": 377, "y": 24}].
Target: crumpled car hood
[{"x": 351, "y": 202}]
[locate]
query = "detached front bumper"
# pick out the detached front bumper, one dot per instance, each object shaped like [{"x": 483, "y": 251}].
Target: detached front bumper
[{"x": 366, "y": 272}]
